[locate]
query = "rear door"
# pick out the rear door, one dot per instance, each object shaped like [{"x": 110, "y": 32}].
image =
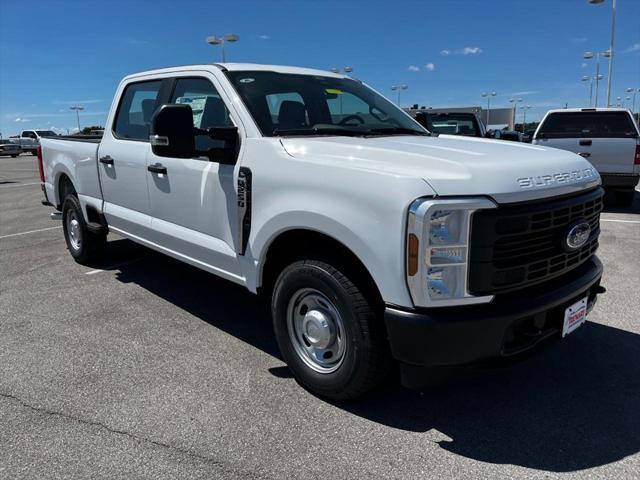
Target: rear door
[
  {"x": 122, "y": 159},
  {"x": 606, "y": 138}
]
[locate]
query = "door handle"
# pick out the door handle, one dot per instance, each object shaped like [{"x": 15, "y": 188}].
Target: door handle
[
  {"x": 584, "y": 154},
  {"x": 157, "y": 168},
  {"x": 585, "y": 143},
  {"x": 107, "y": 160}
]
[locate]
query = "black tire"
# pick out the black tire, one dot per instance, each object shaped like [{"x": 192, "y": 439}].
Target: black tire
[
  {"x": 625, "y": 197},
  {"x": 85, "y": 246},
  {"x": 365, "y": 361},
  {"x": 14, "y": 156}
]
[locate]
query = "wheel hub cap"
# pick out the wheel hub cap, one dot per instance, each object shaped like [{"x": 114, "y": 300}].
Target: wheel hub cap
[
  {"x": 75, "y": 234},
  {"x": 316, "y": 330}
]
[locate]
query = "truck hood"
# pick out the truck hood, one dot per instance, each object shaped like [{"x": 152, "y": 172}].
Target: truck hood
[{"x": 507, "y": 171}]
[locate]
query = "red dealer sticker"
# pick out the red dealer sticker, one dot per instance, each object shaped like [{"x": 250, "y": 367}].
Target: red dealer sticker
[{"x": 574, "y": 316}]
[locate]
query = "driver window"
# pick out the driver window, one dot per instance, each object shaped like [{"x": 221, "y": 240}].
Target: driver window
[{"x": 207, "y": 106}]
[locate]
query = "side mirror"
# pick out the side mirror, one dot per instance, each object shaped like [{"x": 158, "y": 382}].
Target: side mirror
[
  {"x": 226, "y": 154},
  {"x": 172, "y": 132}
]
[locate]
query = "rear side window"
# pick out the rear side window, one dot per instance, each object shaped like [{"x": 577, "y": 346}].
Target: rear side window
[
  {"x": 137, "y": 105},
  {"x": 588, "y": 125}
]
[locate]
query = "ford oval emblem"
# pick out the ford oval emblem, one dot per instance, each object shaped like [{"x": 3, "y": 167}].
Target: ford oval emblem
[{"x": 577, "y": 235}]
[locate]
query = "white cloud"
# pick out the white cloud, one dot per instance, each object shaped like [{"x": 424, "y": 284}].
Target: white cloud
[
  {"x": 264, "y": 37},
  {"x": 633, "y": 48},
  {"x": 21, "y": 120},
  {"x": 413, "y": 68},
  {"x": 471, "y": 50},
  {"x": 524, "y": 92},
  {"x": 430, "y": 67},
  {"x": 77, "y": 102},
  {"x": 584, "y": 65},
  {"x": 461, "y": 51}
]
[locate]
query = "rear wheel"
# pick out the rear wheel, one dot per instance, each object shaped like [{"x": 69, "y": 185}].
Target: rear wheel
[
  {"x": 328, "y": 331},
  {"x": 84, "y": 245}
]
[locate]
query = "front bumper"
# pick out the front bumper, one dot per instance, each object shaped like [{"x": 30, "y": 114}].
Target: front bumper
[
  {"x": 512, "y": 324},
  {"x": 619, "y": 180}
]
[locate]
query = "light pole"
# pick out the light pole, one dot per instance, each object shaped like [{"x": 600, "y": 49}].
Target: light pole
[
  {"x": 634, "y": 91},
  {"x": 213, "y": 40},
  {"x": 399, "y": 88},
  {"x": 488, "y": 95},
  {"x": 613, "y": 33},
  {"x": 345, "y": 70},
  {"x": 515, "y": 102},
  {"x": 589, "y": 78},
  {"x": 524, "y": 109},
  {"x": 77, "y": 108},
  {"x": 598, "y": 77}
]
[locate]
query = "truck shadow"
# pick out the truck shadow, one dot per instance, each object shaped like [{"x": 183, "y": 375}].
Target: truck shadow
[{"x": 570, "y": 408}]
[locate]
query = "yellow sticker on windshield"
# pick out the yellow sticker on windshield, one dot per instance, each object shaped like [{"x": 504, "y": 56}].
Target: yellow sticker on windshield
[{"x": 335, "y": 91}]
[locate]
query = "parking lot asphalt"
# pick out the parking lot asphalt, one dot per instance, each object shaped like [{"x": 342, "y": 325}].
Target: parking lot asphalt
[{"x": 143, "y": 367}]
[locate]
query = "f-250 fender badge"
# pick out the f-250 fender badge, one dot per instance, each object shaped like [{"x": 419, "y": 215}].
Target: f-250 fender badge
[{"x": 560, "y": 178}]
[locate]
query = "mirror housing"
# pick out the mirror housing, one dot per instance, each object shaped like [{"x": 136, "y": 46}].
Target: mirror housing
[{"x": 172, "y": 132}]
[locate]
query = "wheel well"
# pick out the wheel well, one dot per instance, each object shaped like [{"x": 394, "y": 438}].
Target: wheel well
[
  {"x": 65, "y": 187},
  {"x": 295, "y": 245}
]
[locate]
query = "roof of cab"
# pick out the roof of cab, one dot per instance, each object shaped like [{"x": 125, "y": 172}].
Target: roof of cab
[
  {"x": 589, "y": 109},
  {"x": 233, "y": 67}
]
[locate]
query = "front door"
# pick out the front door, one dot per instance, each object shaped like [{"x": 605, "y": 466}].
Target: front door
[{"x": 194, "y": 204}]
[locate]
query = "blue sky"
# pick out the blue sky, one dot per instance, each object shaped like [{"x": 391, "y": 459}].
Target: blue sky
[{"x": 54, "y": 54}]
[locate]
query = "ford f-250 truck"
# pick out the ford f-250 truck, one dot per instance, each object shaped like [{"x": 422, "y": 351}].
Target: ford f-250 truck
[
  {"x": 374, "y": 239},
  {"x": 607, "y": 137}
]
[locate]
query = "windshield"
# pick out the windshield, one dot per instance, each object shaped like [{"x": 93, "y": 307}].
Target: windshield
[
  {"x": 291, "y": 104},
  {"x": 588, "y": 125},
  {"x": 452, "y": 124},
  {"x": 45, "y": 133}
]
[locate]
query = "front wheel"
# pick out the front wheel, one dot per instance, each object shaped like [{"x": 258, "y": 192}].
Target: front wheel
[
  {"x": 84, "y": 245},
  {"x": 328, "y": 331}
]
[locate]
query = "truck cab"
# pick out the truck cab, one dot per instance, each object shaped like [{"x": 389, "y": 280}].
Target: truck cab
[{"x": 375, "y": 241}]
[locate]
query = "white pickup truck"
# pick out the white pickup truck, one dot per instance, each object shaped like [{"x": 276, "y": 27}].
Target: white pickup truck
[
  {"x": 30, "y": 139},
  {"x": 608, "y": 137},
  {"x": 374, "y": 239}
]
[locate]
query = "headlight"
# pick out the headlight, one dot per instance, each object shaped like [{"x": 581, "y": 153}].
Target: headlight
[{"x": 438, "y": 233}]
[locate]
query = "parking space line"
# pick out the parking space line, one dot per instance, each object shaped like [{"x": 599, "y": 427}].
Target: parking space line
[
  {"x": 112, "y": 267},
  {"x": 30, "y": 231},
  {"x": 619, "y": 221},
  {"x": 19, "y": 185}
]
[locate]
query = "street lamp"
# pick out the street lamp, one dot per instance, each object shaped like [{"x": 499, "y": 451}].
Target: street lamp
[
  {"x": 77, "y": 108},
  {"x": 488, "y": 95},
  {"x": 524, "y": 109},
  {"x": 634, "y": 91},
  {"x": 589, "y": 78},
  {"x": 399, "y": 88},
  {"x": 515, "y": 102},
  {"x": 613, "y": 30},
  {"x": 213, "y": 40},
  {"x": 344, "y": 70},
  {"x": 598, "y": 77}
]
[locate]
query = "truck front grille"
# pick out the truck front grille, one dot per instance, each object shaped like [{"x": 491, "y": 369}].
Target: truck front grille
[{"x": 515, "y": 246}]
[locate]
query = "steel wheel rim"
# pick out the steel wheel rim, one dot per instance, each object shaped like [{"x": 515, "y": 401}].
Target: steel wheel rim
[
  {"x": 316, "y": 330},
  {"x": 74, "y": 232}
]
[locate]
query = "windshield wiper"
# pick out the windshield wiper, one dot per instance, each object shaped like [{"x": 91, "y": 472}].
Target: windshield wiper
[
  {"x": 399, "y": 131},
  {"x": 321, "y": 130}
]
